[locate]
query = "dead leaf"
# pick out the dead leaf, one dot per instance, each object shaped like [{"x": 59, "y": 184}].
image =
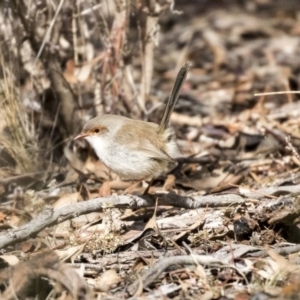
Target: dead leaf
[
  {"x": 70, "y": 253},
  {"x": 66, "y": 200},
  {"x": 107, "y": 280},
  {"x": 105, "y": 189},
  {"x": 169, "y": 183},
  {"x": 10, "y": 259}
]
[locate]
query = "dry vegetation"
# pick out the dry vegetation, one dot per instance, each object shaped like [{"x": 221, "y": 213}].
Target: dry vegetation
[{"x": 224, "y": 223}]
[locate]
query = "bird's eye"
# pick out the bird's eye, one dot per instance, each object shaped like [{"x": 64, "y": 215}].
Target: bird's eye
[{"x": 96, "y": 130}]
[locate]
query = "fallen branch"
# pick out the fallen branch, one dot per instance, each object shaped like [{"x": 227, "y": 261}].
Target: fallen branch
[
  {"x": 163, "y": 264},
  {"x": 49, "y": 217}
]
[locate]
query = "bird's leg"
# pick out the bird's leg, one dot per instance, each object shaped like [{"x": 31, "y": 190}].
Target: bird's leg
[{"x": 148, "y": 187}]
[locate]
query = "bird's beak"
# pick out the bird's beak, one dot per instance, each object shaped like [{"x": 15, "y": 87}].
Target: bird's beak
[{"x": 81, "y": 135}]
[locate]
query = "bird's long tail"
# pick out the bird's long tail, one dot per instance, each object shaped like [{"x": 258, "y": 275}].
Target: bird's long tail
[{"x": 174, "y": 96}]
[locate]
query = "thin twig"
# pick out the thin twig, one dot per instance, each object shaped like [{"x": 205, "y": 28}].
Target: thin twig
[
  {"x": 276, "y": 93},
  {"x": 48, "y": 33}
]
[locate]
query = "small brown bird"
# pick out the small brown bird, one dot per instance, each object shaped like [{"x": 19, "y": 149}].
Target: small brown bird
[{"x": 136, "y": 150}]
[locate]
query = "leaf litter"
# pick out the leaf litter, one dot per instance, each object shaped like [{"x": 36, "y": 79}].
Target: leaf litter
[{"x": 223, "y": 224}]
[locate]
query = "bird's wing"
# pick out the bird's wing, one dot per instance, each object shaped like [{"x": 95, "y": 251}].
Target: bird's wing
[{"x": 152, "y": 152}]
